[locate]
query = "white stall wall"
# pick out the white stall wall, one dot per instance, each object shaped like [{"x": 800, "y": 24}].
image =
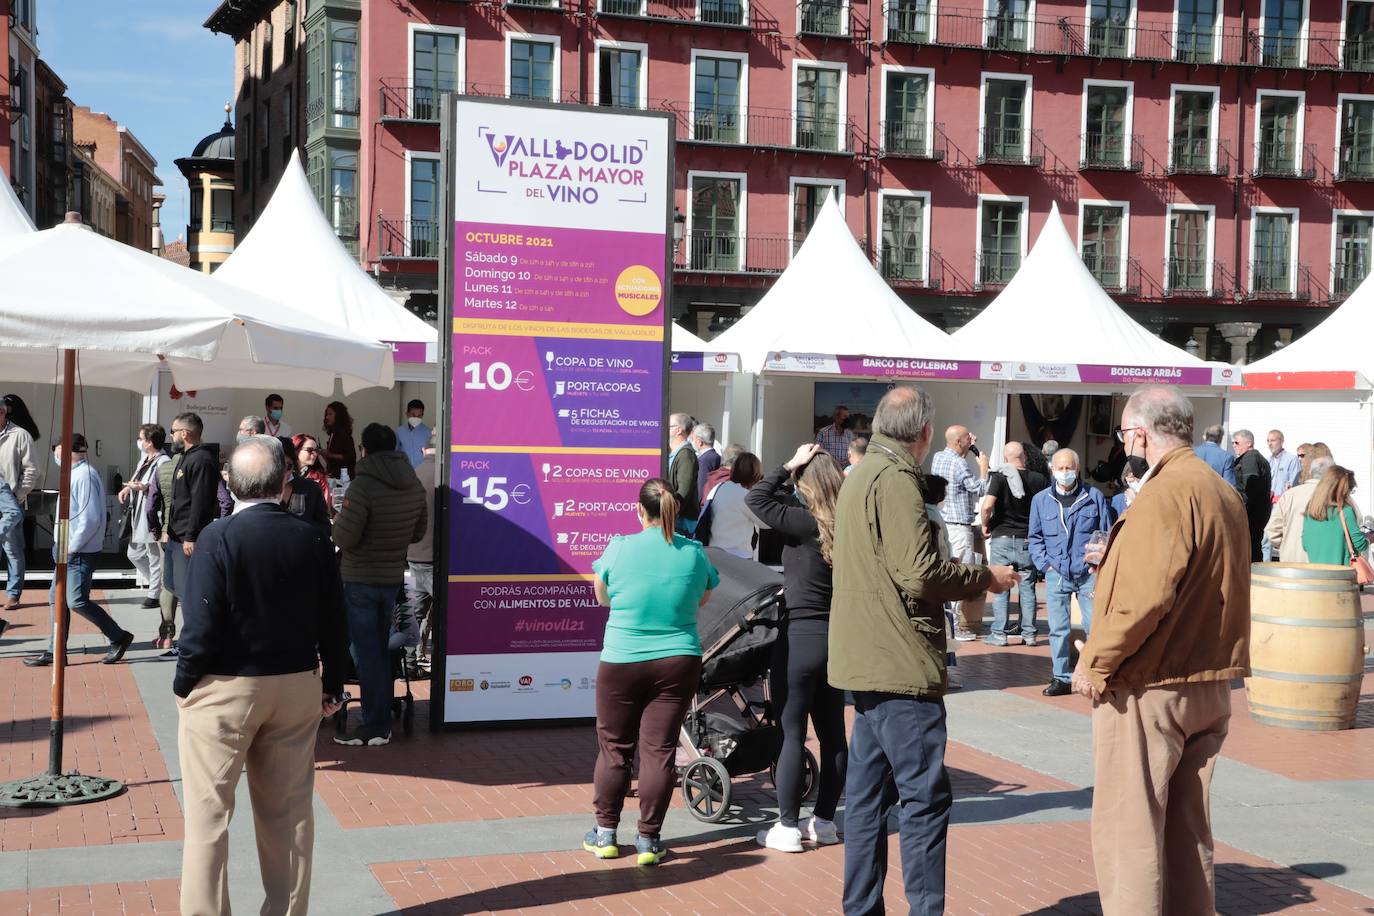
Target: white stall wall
[
  {"x": 1344, "y": 420},
  {"x": 703, "y": 394}
]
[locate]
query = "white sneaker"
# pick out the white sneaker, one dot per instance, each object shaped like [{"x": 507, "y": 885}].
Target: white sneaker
[
  {"x": 783, "y": 839},
  {"x": 820, "y": 831}
]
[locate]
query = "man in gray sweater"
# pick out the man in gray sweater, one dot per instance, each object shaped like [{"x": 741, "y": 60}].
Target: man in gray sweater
[{"x": 384, "y": 512}]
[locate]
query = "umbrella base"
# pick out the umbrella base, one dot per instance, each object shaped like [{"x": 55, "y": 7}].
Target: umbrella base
[{"x": 48, "y": 791}]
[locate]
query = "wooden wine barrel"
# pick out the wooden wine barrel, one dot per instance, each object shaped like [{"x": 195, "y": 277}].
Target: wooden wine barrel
[{"x": 1306, "y": 645}]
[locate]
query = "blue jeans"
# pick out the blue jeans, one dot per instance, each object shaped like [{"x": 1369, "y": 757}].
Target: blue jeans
[
  {"x": 12, "y": 540},
  {"x": 1057, "y": 590},
  {"x": 896, "y": 757},
  {"x": 370, "y": 609},
  {"x": 1014, "y": 552},
  {"x": 80, "y": 571}
]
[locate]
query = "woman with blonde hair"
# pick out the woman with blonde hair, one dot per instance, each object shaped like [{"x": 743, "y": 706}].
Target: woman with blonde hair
[
  {"x": 798, "y": 688},
  {"x": 653, "y": 582},
  {"x": 1330, "y": 528}
]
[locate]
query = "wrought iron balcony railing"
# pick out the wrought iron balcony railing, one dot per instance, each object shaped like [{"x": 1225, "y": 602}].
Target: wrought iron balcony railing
[
  {"x": 1190, "y": 278},
  {"x": 912, "y": 140},
  {"x": 776, "y": 128},
  {"x": 1285, "y": 160},
  {"x": 1115, "y": 273},
  {"x": 1276, "y": 278},
  {"x": 908, "y": 21},
  {"x": 1010, "y": 146},
  {"x": 903, "y": 265},
  {"x": 1355, "y": 165},
  {"x": 725, "y": 13},
  {"x": 1350, "y": 271},
  {"x": 995, "y": 268},
  {"x": 409, "y": 239},
  {"x": 1112, "y": 152},
  {"x": 823, "y": 17},
  {"x": 732, "y": 253},
  {"x": 1191, "y": 156}
]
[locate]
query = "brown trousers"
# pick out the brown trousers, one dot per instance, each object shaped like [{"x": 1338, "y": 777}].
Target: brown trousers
[
  {"x": 1152, "y": 828},
  {"x": 640, "y": 703},
  {"x": 269, "y": 724}
]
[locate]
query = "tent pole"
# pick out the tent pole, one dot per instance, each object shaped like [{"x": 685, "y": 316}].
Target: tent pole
[
  {"x": 760, "y": 386},
  {"x": 1000, "y": 426},
  {"x": 52, "y": 788}
]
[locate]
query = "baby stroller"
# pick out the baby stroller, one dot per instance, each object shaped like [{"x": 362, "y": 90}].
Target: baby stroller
[
  {"x": 738, "y": 627},
  {"x": 405, "y": 631}
]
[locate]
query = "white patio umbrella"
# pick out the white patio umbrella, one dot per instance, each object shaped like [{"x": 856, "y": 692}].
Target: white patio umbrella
[{"x": 67, "y": 289}]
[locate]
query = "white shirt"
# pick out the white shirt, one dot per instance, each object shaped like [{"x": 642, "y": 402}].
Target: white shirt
[
  {"x": 732, "y": 525},
  {"x": 242, "y": 504},
  {"x": 278, "y": 429}
]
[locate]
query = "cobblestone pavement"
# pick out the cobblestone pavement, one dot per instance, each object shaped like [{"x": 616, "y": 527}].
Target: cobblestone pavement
[{"x": 491, "y": 821}]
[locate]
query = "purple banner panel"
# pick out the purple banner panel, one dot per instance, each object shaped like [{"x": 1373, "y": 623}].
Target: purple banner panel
[
  {"x": 1148, "y": 375},
  {"x": 888, "y": 367},
  {"x": 526, "y": 616}
]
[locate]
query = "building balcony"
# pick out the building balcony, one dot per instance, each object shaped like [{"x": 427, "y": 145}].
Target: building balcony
[
  {"x": 912, "y": 140},
  {"x": 905, "y": 267},
  {"x": 399, "y": 100},
  {"x": 1194, "y": 157},
  {"x": 1277, "y": 280},
  {"x": 409, "y": 239},
  {"x": 732, "y": 253},
  {"x": 1115, "y": 274},
  {"x": 1348, "y": 275},
  {"x": 828, "y": 18},
  {"x": 1010, "y": 146},
  {"x": 1188, "y": 278},
  {"x": 1355, "y": 166},
  {"x": 1112, "y": 153},
  {"x": 721, "y": 13},
  {"x": 771, "y": 128},
  {"x": 994, "y": 269},
  {"x": 1285, "y": 160}
]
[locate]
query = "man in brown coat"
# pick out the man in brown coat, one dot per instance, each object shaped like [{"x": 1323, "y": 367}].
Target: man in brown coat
[{"x": 1170, "y": 632}]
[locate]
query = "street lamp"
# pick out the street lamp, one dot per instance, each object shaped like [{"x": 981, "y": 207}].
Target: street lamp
[{"x": 678, "y": 222}]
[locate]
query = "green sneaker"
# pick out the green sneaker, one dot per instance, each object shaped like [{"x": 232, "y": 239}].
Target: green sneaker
[
  {"x": 601, "y": 843},
  {"x": 650, "y": 850}
]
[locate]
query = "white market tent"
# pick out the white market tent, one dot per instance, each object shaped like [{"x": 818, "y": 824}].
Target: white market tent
[
  {"x": 14, "y": 219},
  {"x": 292, "y": 255},
  {"x": 702, "y": 382},
  {"x": 1320, "y": 388}
]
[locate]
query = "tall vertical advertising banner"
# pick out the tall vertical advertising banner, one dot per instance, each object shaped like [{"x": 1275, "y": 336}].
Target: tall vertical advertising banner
[{"x": 556, "y": 386}]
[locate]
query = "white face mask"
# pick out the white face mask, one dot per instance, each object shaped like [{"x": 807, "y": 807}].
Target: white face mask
[
  {"x": 413, "y": 422},
  {"x": 140, "y": 446},
  {"x": 1135, "y": 486},
  {"x": 1065, "y": 479}
]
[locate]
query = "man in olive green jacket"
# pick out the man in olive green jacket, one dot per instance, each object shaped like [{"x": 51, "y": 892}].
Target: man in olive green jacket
[{"x": 887, "y": 646}]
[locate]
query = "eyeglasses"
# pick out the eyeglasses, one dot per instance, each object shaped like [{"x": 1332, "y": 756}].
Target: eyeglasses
[
  {"x": 1301, "y": 455},
  {"x": 1121, "y": 432},
  {"x": 182, "y": 429}
]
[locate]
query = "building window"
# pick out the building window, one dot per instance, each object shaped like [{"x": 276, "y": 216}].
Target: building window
[
  {"x": 1283, "y": 31},
  {"x": 908, "y": 112},
  {"x": 288, "y": 48},
  {"x": 1004, "y": 120},
  {"x": 222, "y": 209},
  {"x": 807, "y": 199},
  {"x": 822, "y": 17},
  {"x": 999, "y": 252},
  {"x": 246, "y": 124},
  {"x": 197, "y": 210},
  {"x": 623, "y": 7},
  {"x": 1278, "y": 134},
  {"x": 1197, "y": 28},
  {"x": 344, "y": 62},
  {"x": 818, "y": 108},
  {"x": 1109, "y": 28},
  {"x": 904, "y": 237},
  {"x": 714, "y": 242},
  {"x": 1189, "y": 254},
  {"x": 436, "y": 71},
  {"x": 288, "y": 124},
  {"x": 1104, "y": 249},
  {"x": 717, "y": 99},
  {"x": 620, "y": 77},
  {"x": 1107, "y": 117},
  {"x": 531, "y": 70},
  {"x": 1353, "y": 233},
  {"x": 267, "y": 52},
  {"x": 1358, "y": 51},
  {"x": 343, "y": 196},
  {"x": 1357, "y": 139},
  {"x": 1007, "y": 25},
  {"x": 1271, "y": 270},
  {"x": 424, "y": 208},
  {"x": 315, "y": 81},
  {"x": 722, "y": 12},
  {"x": 909, "y": 21},
  {"x": 1191, "y": 147}
]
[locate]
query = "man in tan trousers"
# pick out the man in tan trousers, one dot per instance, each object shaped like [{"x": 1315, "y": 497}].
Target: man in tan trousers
[
  {"x": 263, "y": 609},
  {"x": 1171, "y": 629}
]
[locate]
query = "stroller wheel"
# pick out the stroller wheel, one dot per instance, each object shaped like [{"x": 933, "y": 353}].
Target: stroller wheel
[
  {"x": 810, "y": 772},
  {"x": 706, "y": 789}
]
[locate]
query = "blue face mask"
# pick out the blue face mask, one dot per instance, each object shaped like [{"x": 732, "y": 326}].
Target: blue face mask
[
  {"x": 275, "y": 414},
  {"x": 1066, "y": 479}
]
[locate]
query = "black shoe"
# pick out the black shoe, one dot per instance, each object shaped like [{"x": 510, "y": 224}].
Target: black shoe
[
  {"x": 41, "y": 660},
  {"x": 150, "y": 603},
  {"x": 4, "y": 625},
  {"x": 118, "y": 649},
  {"x": 1057, "y": 688}
]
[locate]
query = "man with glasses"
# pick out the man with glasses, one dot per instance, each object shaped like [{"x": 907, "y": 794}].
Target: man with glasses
[
  {"x": 1254, "y": 480},
  {"x": 195, "y": 491},
  {"x": 682, "y": 471}
]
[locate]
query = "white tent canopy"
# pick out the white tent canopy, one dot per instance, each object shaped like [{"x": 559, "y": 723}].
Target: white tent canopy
[
  {"x": 127, "y": 312},
  {"x": 1055, "y": 313},
  {"x": 14, "y": 219},
  {"x": 1339, "y": 343},
  {"x": 831, "y": 301},
  {"x": 685, "y": 341},
  {"x": 292, "y": 255}
]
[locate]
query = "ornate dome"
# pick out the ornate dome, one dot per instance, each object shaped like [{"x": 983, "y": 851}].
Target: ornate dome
[{"x": 219, "y": 145}]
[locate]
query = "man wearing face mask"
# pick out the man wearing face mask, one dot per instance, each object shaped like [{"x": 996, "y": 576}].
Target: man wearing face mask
[
  {"x": 1132, "y": 475},
  {"x": 273, "y": 425},
  {"x": 1062, "y": 520},
  {"x": 413, "y": 435},
  {"x": 144, "y": 550}
]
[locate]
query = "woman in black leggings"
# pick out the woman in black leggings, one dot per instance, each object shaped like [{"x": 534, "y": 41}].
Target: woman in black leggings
[{"x": 806, "y": 520}]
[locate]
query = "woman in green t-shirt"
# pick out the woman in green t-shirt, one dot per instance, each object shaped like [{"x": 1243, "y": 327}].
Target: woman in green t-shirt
[
  {"x": 1330, "y": 516},
  {"x": 653, "y": 582}
]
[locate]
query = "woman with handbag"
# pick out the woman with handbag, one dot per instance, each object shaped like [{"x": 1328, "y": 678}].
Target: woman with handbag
[
  {"x": 144, "y": 550},
  {"x": 1331, "y": 531}
]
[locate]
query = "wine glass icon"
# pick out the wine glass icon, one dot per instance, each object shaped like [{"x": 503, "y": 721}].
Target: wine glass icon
[
  {"x": 546, "y": 468},
  {"x": 548, "y": 358}
]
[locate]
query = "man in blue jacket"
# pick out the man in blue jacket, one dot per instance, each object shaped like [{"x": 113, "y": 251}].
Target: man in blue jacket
[
  {"x": 1217, "y": 458},
  {"x": 1062, "y": 519}
]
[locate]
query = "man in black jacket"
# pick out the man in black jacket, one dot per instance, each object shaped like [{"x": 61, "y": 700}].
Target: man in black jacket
[
  {"x": 263, "y": 607},
  {"x": 195, "y": 503},
  {"x": 1253, "y": 479}
]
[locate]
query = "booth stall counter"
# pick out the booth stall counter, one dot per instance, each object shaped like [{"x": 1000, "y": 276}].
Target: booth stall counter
[{"x": 707, "y": 383}]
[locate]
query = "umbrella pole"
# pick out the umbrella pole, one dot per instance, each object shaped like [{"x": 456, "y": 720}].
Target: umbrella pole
[{"x": 52, "y": 788}]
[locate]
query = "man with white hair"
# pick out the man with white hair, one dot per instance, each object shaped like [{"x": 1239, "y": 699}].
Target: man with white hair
[
  {"x": 682, "y": 471},
  {"x": 708, "y": 459},
  {"x": 960, "y": 512},
  {"x": 1284, "y": 531},
  {"x": 1174, "y": 594},
  {"x": 1063, "y": 519},
  {"x": 1254, "y": 480}
]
